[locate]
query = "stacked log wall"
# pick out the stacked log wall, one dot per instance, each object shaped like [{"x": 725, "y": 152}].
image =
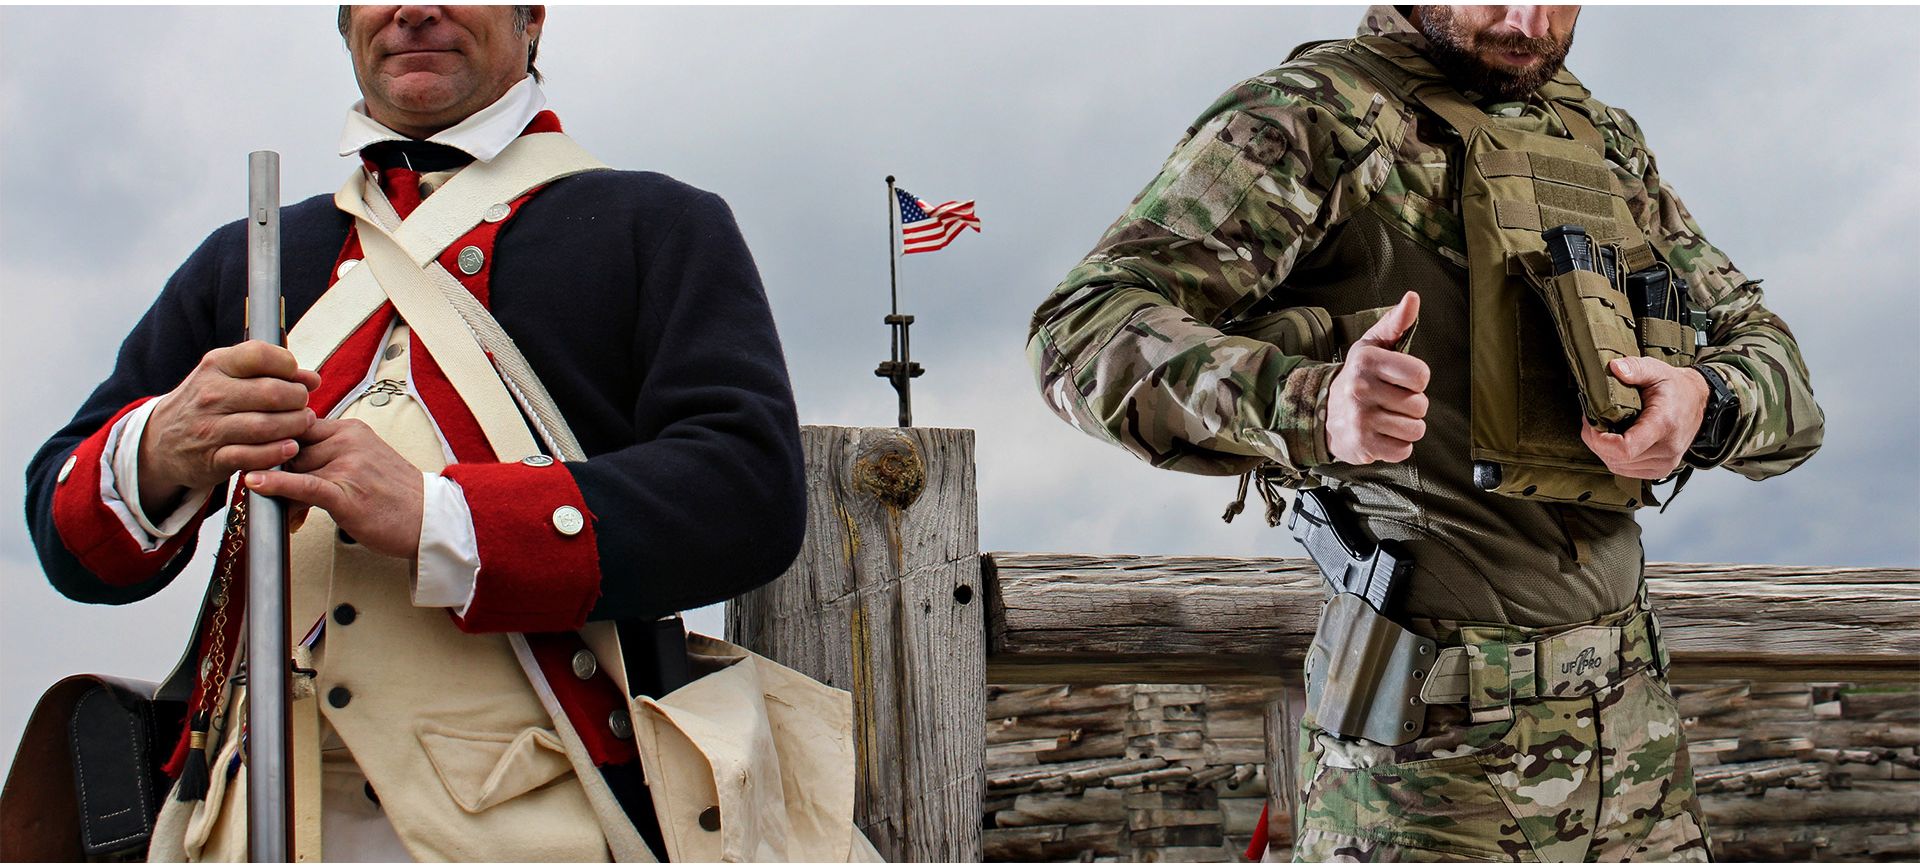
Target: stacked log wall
[
  {"x": 1130, "y": 772},
  {"x": 1151, "y": 772},
  {"x": 1797, "y": 772}
]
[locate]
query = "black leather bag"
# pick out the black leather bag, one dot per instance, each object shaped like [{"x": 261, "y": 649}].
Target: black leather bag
[{"x": 86, "y": 783}]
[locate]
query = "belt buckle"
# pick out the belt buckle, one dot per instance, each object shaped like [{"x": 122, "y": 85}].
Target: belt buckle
[{"x": 1580, "y": 661}]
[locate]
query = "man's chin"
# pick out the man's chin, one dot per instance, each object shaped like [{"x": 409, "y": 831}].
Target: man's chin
[{"x": 421, "y": 93}]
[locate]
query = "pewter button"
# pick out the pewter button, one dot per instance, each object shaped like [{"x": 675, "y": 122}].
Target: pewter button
[
  {"x": 497, "y": 212},
  {"x": 618, "y": 723},
  {"x": 568, "y": 521},
  {"x": 393, "y": 350},
  {"x": 344, "y": 268},
  {"x": 585, "y": 666},
  {"x": 537, "y": 461},
  {"x": 471, "y": 259},
  {"x": 66, "y": 469},
  {"x": 379, "y": 398}
]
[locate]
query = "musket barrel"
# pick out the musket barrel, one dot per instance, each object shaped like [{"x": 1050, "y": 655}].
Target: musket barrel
[{"x": 269, "y": 732}]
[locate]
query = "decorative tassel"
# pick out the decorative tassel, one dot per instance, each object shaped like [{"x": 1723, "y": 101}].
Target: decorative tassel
[{"x": 193, "y": 775}]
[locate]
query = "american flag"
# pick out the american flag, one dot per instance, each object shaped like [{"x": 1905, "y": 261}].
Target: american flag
[{"x": 925, "y": 228}]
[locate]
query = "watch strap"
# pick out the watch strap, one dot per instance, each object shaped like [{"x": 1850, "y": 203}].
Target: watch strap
[{"x": 1716, "y": 420}]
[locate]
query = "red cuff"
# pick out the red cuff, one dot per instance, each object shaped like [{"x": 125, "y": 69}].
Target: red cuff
[
  {"x": 91, "y": 530},
  {"x": 591, "y": 702},
  {"x": 539, "y": 563}
]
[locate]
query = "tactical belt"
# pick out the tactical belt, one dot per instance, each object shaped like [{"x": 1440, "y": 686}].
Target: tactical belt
[{"x": 1489, "y": 676}]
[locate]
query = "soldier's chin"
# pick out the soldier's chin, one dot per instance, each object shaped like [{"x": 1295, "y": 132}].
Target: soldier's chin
[{"x": 1506, "y": 82}]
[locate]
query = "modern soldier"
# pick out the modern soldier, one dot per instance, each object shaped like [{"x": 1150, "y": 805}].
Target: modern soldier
[{"x": 1254, "y": 311}]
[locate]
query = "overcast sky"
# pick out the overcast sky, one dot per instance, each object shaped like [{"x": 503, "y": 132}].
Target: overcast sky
[{"x": 1789, "y": 131}]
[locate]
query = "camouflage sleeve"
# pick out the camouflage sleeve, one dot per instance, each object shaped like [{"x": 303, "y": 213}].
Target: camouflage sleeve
[
  {"x": 1780, "y": 425},
  {"x": 1127, "y": 346}
]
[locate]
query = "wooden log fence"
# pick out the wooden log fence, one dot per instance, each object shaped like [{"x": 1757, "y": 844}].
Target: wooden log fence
[
  {"x": 1090, "y": 618},
  {"x": 891, "y": 599}
]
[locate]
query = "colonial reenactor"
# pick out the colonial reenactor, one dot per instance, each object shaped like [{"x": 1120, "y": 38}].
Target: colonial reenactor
[
  {"x": 524, "y": 396},
  {"x": 1253, "y": 311}
]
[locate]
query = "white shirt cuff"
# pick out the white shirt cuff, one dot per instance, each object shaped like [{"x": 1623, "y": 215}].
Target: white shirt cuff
[
  {"x": 448, "y": 562},
  {"x": 120, "y": 484}
]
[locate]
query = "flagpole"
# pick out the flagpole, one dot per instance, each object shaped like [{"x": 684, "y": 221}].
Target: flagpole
[
  {"x": 899, "y": 369},
  {"x": 893, "y": 244}
]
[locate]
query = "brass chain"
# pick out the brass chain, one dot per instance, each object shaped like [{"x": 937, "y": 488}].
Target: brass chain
[{"x": 213, "y": 673}]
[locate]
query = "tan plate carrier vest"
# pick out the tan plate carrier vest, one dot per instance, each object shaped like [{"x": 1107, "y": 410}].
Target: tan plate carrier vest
[{"x": 1540, "y": 343}]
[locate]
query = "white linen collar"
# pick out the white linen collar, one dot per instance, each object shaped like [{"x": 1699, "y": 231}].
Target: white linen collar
[{"x": 483, "y": 134}]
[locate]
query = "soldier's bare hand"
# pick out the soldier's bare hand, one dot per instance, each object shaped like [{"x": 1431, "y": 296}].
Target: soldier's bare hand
[
  {"x": 1673, "y": 399},
  {"x": 242, "y": 408},
  {"x": 372, "y": 493},
  {"x": 1377, "y": 405}
]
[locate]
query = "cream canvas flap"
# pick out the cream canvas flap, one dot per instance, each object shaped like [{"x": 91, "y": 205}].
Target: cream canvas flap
[{"x": 771, "y": 748}]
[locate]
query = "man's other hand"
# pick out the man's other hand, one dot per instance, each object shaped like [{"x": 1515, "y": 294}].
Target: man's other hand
[
  {"x": 242, "y": 408},
  {"x": 1673, "y": 400},
  {"x": 372, "y": 493},
  {"x": 1377, "y": 404}
]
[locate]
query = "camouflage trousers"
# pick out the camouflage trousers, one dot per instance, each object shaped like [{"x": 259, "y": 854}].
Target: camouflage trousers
[{"x": 1601, "y": 776}]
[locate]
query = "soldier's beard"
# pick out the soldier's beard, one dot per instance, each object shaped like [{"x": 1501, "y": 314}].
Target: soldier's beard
[{"x": 1459, "y": 56}]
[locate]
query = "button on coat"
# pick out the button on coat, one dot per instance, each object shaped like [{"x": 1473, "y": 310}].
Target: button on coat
[
  {"x": 471, "y": 260},
  {"x": 585, "y": 664}
]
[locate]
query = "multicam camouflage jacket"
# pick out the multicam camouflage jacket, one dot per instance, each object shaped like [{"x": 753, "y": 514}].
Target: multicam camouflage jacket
[{"x": 1129, "y": 346}]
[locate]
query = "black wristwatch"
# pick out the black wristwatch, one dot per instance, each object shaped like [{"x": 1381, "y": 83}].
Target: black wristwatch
[{"x": 1716, "y": 421}]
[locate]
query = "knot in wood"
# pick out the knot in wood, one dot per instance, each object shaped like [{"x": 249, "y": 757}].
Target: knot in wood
[{"x": 891, "y": 471}]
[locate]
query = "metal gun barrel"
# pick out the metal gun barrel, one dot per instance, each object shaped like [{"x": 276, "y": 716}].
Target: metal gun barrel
[{"x": 269, "y": 733}]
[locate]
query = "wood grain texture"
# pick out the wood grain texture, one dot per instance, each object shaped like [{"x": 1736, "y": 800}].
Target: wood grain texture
[
  {"x": 1283, "y": 750},
  {"x": 885, "y": 601},
  {"x": 1085, "y": 618}
]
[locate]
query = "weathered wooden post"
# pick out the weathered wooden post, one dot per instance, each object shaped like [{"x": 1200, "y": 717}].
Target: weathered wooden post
[
  {"x": 885, "y": 601},
  {"x": 1283, "y": 764}
]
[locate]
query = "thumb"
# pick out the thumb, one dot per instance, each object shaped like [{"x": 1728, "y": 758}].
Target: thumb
[
  {"x": 1637, "y": 370},
  {"x": 1387, "y": 332}
]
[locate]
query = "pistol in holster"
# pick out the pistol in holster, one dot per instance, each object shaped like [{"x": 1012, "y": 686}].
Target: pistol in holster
[{"x": 1364, "y": 671}]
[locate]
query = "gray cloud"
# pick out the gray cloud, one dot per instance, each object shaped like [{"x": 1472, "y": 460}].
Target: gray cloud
[{"x": 1785, "y": 129}]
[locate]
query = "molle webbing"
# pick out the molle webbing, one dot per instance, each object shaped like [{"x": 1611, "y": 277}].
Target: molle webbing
[{"x": 1540, "y": 343}]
